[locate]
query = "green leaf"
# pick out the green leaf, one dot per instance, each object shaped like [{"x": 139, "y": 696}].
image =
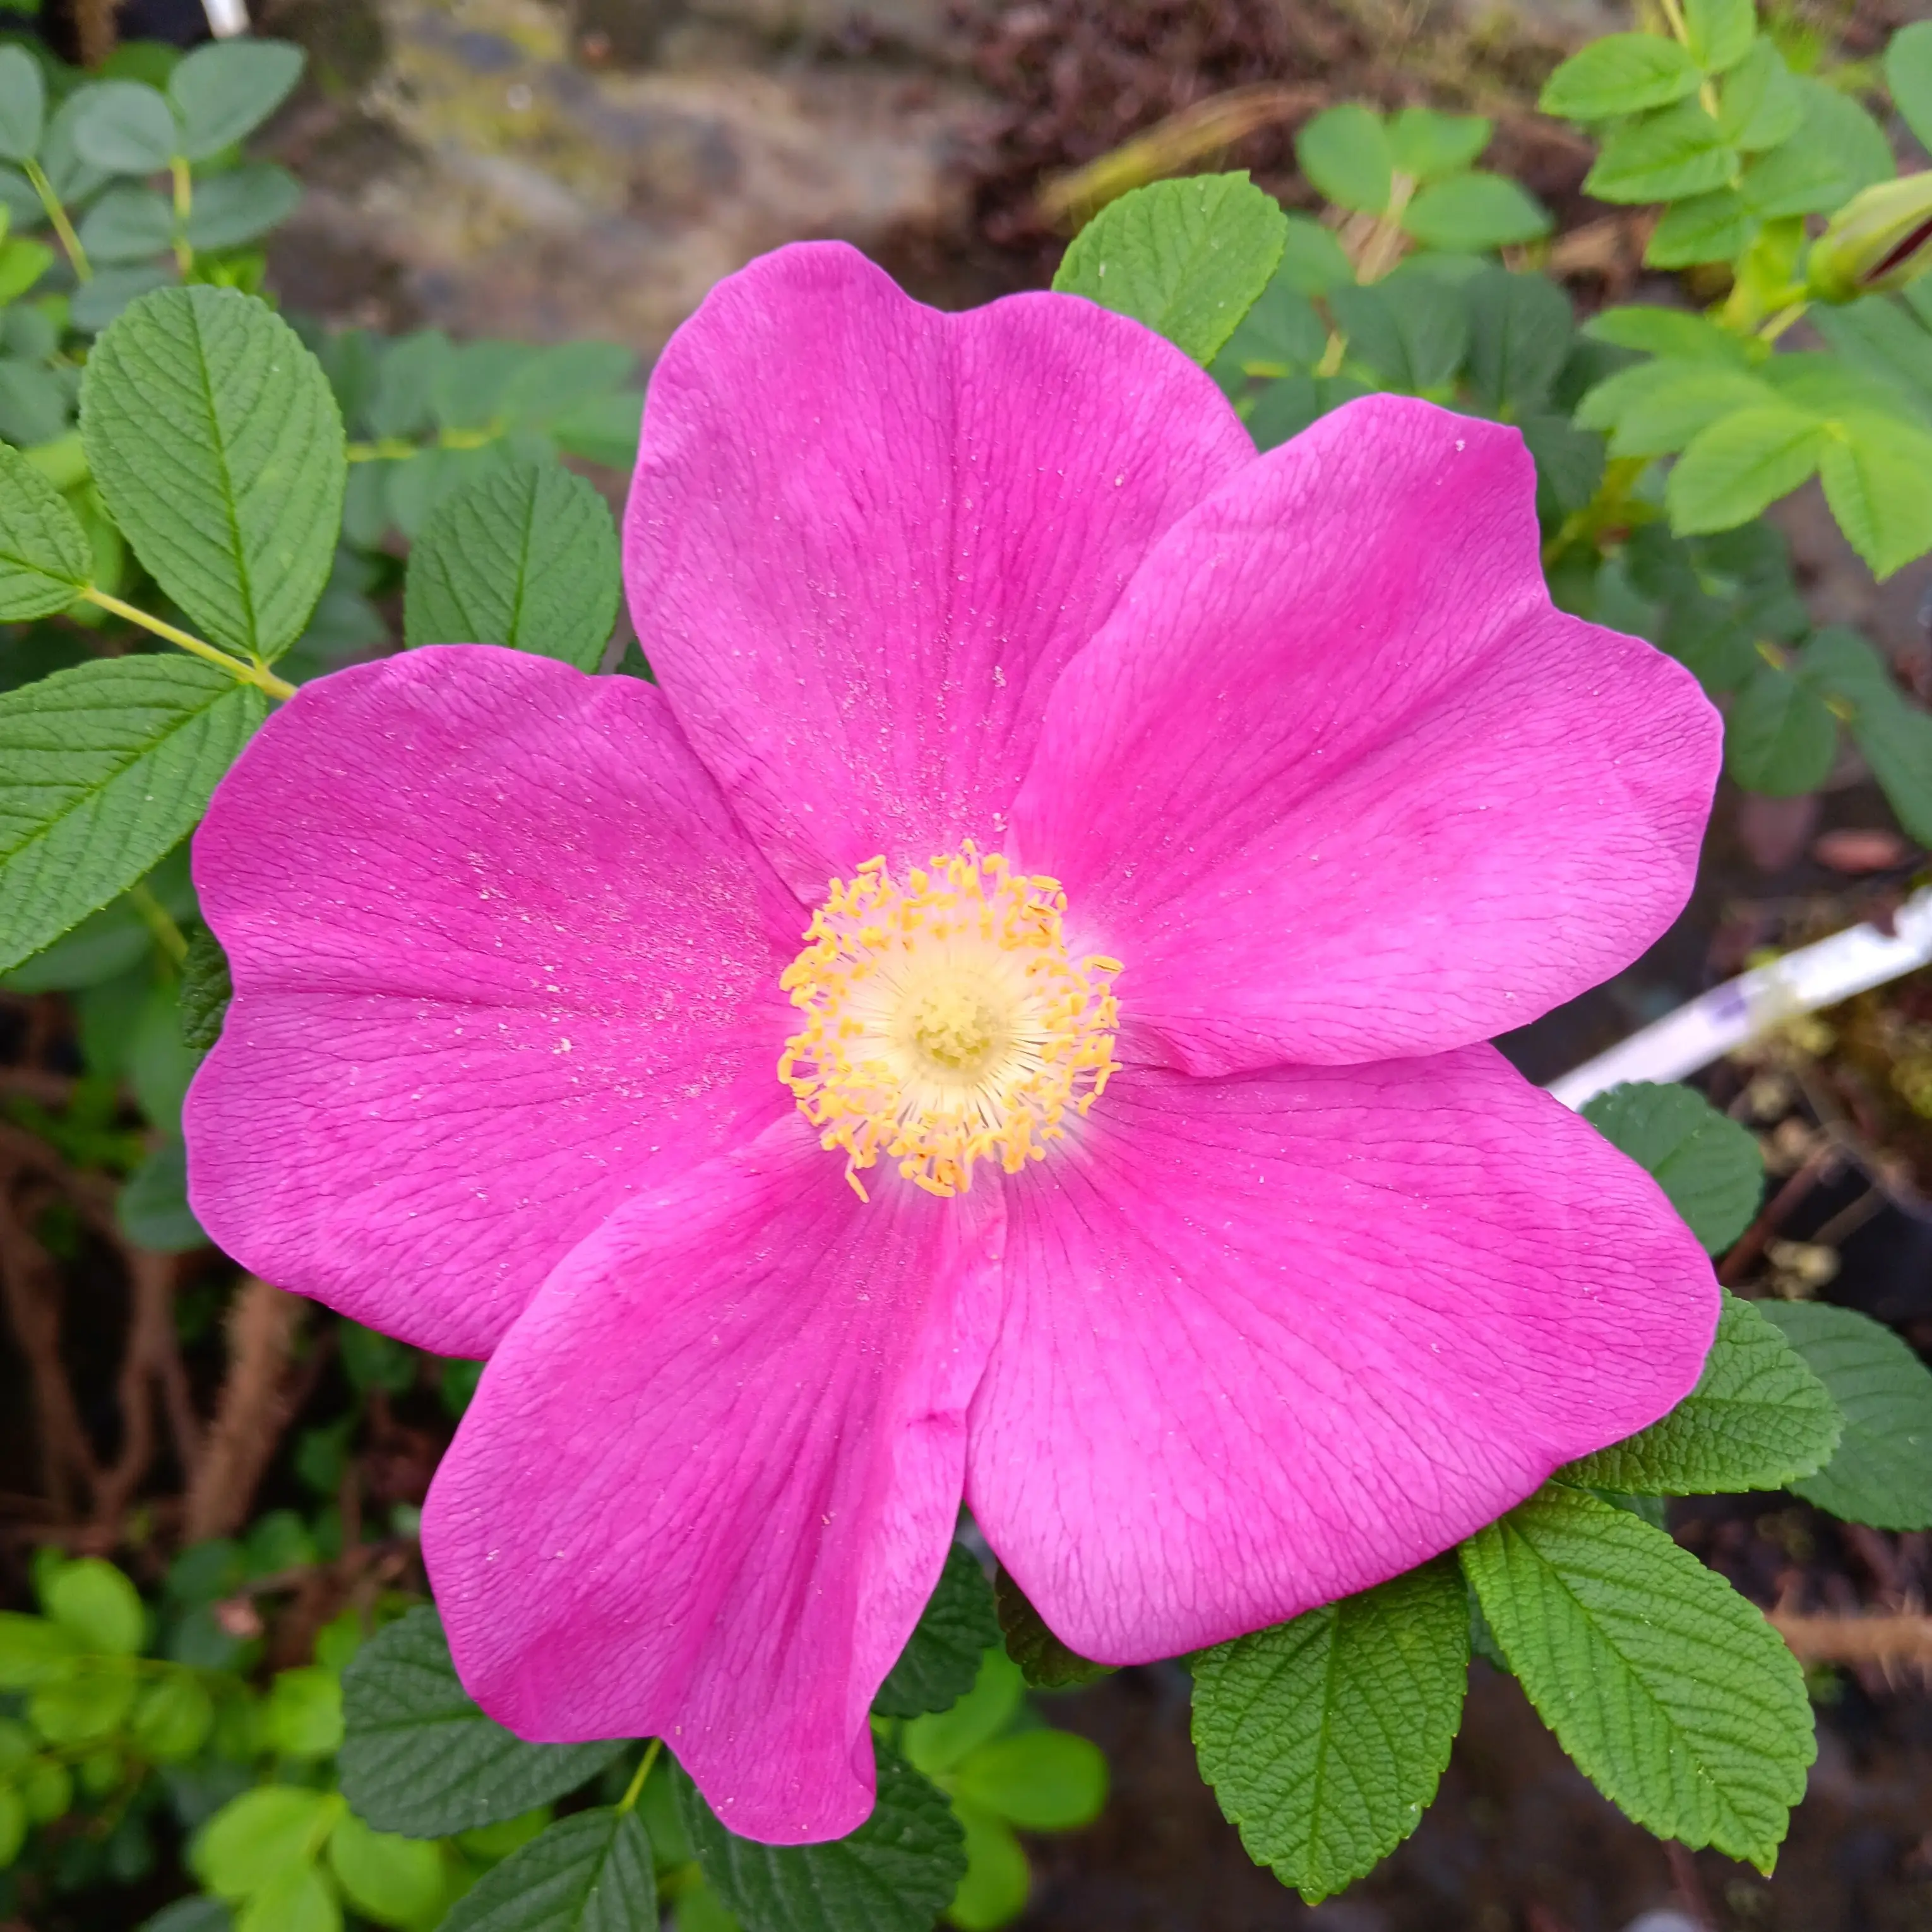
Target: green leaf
[
  {"x": 526, "y": 557},
  {"x": 1187, "y": 258},
  {"x": 1520, "y": 332},
  {"x": 1779, "y": 737},
  {"x": 1894, "y": 734},
  {"x": 1877, "y": 473},
  {"x": 206, "y": 988},
  {"x": 394, "y": 1880},
  {"x": 33, "y": 1652},
  {"x": 1345, "y": 152},
  {"x": 1757, "y": 1418},
  {"x": 1471, "y": 214},
  {"x": 301, "y": 1717},
  {"x": 1425, "y": 145},
  {"x": 419, "y": 1757},
  {"x": 99, "y": 303},
  {"x": 1671, "y": 332},
  {"x": 1324, "y": 1738},
  {"x": 34, "y": 403},
  {"x": 98, "y": 1605},
  {"x": 1665, "y": 157},
  {"x": 73, "y": 179},
  {"x": 1412, "y": 333},
  {"x": 1312, "y": 260},
  {"x": 590, "y": 1872},
  {"x": 1618, "y": 74},
  {"x": 935, "y": 1743},
  {"x": 152, "y": 1208},
  {"x": 297, "y": 1899},
  {"x": 1046, "y": 1663},
  {"x": 1713, "y": 227},
  {"x": 106, "y": 767},
  {"x": 1041, "y": 1780},
  {"x": 264, "y": 1832},
  {"x": 23, "y": 104},
  {"x": 44, "y": 558},
  {"x": 226, "y": 89},
  {"x": 1664, "y": 405},
  {"x": 88, "y": 1704},
  {"x": 199, "y": 1914},
  {"x": 1569, "y": 464},
  {"x": 895, "y": 1874},
  {"x": 604, "y": 429},
  {"x": 1740, "y": 466},
  {"x": 1672, "y": 1692},
  {"x": 173, "y": 1717},
  {"x": 123, "y": 127},
  {"x": 1837, "y": 150},
  {"x": 1286, "y": 408},
  {"x": 231, "y": 208},
  {"x": 1719, "y": 33},
  {"x": 1908, "y": 74},
  {"x": 1708, "y": 1165},
  {"x": 1758, "y": 106},
  {"x": 1881, "y": 1471},
  {"x": 1281, "y": 332},
  {"x": 993, "y": 1890},
  {"x": 1881, "y": 338},
  {"x": 127, "y": 224},
  {"x": 955, "y": 1630},
  {"x": 214, "y": 436}
]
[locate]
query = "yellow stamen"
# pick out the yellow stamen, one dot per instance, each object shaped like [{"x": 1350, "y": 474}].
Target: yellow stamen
[{"x": 944, "y": 1022}]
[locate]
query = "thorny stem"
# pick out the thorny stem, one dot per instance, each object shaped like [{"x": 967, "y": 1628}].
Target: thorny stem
[
  {"x": 83, "y": 268},
  {"x": 629, "y": 1801},
  {"x": 245, "y": 673}
]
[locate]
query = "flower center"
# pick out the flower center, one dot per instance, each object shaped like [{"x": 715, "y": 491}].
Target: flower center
[{"x": 945, "y": 1023}]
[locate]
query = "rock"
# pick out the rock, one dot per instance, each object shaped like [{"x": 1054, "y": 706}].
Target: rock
[{"x": 483, "y": 180}]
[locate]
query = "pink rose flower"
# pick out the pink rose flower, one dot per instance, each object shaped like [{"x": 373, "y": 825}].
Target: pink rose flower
[{"x": 1002, "y": 1021}]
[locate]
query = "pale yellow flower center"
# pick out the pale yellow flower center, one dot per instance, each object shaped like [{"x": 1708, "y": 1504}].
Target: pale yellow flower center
[{"x": 945, "y": 1023}]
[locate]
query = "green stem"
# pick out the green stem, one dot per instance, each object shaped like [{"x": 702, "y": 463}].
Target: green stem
[
  {"x": 168, "y": 936},
  {"x": 83, "y": 268},
  {"x": 183, "y": 182},
  {"x": 629, "y": 1802},
  {"x": 245, "y": 673},
  {"x": 1781, "y": 321}
]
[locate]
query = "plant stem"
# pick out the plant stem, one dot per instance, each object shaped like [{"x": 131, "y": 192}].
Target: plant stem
[
  {"x": 1707, "y": 93},
  {"x": 183, "y": 182},
  {"x": 629, "y": 1802},
  {"x": 160, "y": 922},
  {"x": 244, "y": 673},
  {"x": 1384, "y": 243},
  {"x": 1781, "y": 321},
  {"x": 83, "y": 268}
]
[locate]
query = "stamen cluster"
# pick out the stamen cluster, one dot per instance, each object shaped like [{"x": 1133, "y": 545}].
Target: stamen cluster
[{"x": 945, "y": 1022}]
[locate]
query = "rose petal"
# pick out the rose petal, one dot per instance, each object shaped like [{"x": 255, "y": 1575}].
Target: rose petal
[
  {"x": 709, "y": 1480},
  {"x": 500, "y": 954},
  {"x": 1269, "y": 1340},
  {"x": 1337, "y": 783},
  {"x": 864, "y": 537}
]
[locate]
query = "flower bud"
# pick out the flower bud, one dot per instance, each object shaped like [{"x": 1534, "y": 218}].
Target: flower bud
[{"x": 1879, "y": 240}]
